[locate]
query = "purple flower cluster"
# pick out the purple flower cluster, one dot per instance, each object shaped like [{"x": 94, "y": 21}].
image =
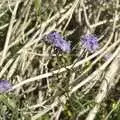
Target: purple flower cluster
[
  {"x": 56, "y": 39},
  {"x": 4, "y": 86},
  {"x": 90, "y": 42}
]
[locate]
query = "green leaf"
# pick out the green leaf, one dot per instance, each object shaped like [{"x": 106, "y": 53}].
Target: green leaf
[
  {"x": 10, "y": 103},
  {"x": 37, "y": 6}
]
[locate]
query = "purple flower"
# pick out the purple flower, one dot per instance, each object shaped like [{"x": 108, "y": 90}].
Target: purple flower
[
  {"x": 90, "y": 42},
  {"x": 56, "y": 39},
  {"x": 4, "y": 86}
]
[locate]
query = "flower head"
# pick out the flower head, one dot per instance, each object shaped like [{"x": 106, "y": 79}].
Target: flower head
[
  {"x": 56, "y": 39},
  {"x": 4, "y": 86},
  {"x": 90, "y": 42}
]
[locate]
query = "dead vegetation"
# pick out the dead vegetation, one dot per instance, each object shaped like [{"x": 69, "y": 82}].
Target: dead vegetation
[{"x": 49, "y": 84}]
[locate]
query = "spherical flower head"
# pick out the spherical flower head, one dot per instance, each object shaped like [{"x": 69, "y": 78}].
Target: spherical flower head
[
  {"x": 56, "y": 39},
  {"x": 90, "y": 42},
  {"x": 4, "y": 86}
]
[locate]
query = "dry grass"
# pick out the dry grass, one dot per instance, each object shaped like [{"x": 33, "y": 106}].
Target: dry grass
[{"x": 47, "y": 83}]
